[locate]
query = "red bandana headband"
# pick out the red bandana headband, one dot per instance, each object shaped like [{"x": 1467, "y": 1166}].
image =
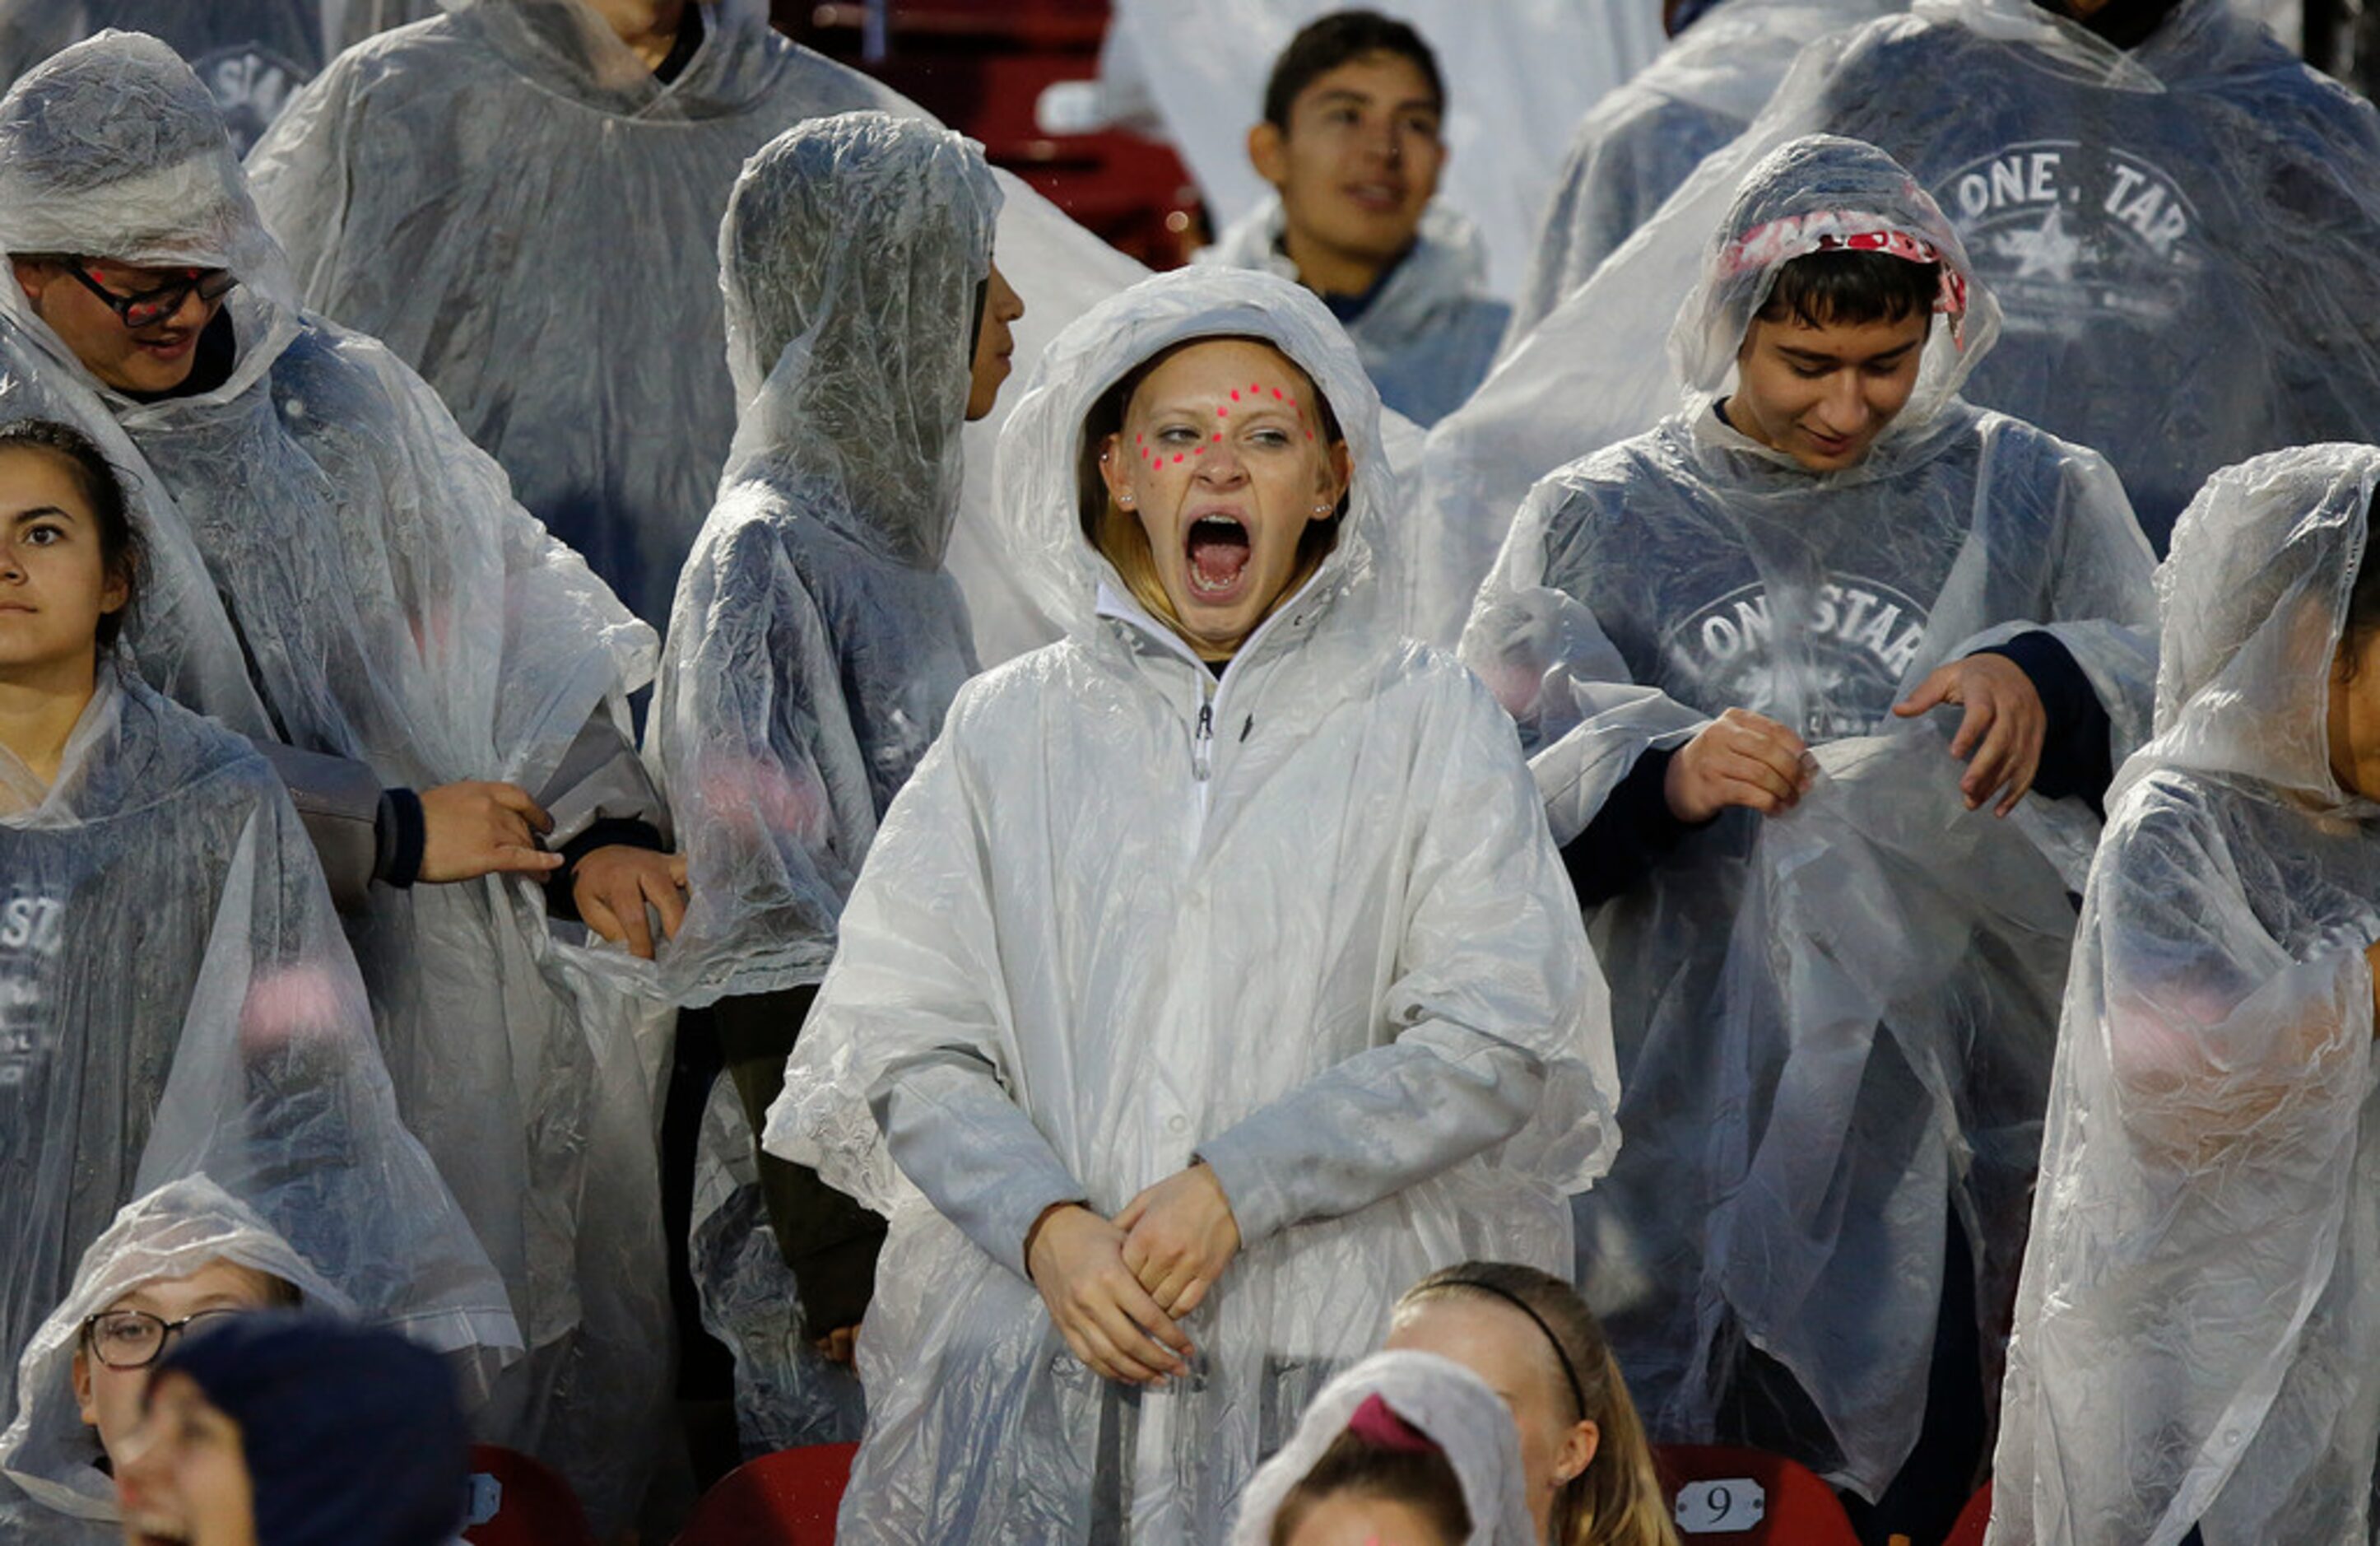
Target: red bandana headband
[{"x": 1797, "y": 235}]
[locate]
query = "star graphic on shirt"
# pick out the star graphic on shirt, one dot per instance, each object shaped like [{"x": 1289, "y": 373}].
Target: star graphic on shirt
[{"x": 2048, "y": 251}]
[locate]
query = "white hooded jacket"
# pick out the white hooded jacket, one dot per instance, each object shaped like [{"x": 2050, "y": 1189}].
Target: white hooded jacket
[{"x": 1303, "y": 923}]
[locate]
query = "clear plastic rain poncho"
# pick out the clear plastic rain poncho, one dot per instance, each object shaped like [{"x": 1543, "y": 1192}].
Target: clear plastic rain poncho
[
  {"x": 1435, "y": 1397},
  {"x": 1635, "y": 147},
  {"x": 2199, "y": 1331},
  {"x": 1833, "y": 1025},
  {"x": 384, "y": 1246},
  {"x": 1328, "y": 948},
  {"x": 253, "y": 55},
  {"x": 1518, "y": 73},
  {"x": 816, "y": 640},
  {"x": 336, "y": 567},
  {"x": 1429, "y": 336},
  {"x": 512, "y": 200},
  {"x": 2180, "y": 237}
]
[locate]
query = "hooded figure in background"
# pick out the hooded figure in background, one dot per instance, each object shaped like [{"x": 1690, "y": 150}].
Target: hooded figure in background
[
  {"x": 337, "y": 572},
  {"x": 816, "y": 640},
  {"x": 1403, "y": 1403},
  {"x": 1289, "y": 914},
  {"x": 366, "y": 1252},
  {"x": 1429, "y": 333},
  {"x": 1638, "y": 144},
  {"x": 1834, "y": 1010},
  {"x": 2179, "y": 224},
  {"x": 253, "y": 55},
  {"x": 522, "y": 208},
  {"x": 2198, "y": 1332}
]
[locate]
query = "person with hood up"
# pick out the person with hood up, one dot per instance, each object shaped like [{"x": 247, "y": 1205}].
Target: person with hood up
[
  {"x": 175, "y": 995},
  {"x": 1833, "y": 973},
  {"x": 253, "y": 55},
  {"x": 339, "y": 573},
  {"x": 816, "y": 640},
  {"x": 1409, "y": 1447},
  {"x": 1211, "y": 977},
  {"x": 2196, "y": 1323},
  {"x": 287, "y": 1430},
  {"x": 2176, "y": 214},
  {"x": 519, "y": 197},
  {"x": 1643, "y": 139},
  {"x": 1350, "y": 143},
  {"x": 179, "y": 1260}
]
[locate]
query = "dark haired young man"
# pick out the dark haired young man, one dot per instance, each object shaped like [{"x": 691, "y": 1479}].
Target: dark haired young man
[
  {"x": 1834, "y": 1032},
  {"x": 1350, "y": 142}
]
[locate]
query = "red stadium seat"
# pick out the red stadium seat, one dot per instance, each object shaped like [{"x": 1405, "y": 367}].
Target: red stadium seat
[
  {"x": 520, "y": 1502},
  {"x": 786, "y": 1499},
  {"x": 1745, "y": 1497},
  {"x": 1972, "y": 1519}
]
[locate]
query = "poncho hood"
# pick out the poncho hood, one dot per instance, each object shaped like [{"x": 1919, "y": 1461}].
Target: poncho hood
[
  {"x": 1823, "y": 193},
  {"x": 1038, "y": 503},
  {"x": 852, "y": 258},
  {"x": 170, "y": 1233}
]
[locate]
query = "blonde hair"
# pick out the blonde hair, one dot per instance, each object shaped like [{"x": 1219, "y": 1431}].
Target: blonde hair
[
  {"x": 1616, "y": 1501},
  {"x": 1117, "y": 533}
]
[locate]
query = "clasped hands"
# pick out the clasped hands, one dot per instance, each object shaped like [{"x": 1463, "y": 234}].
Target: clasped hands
[
  {"x": 479, "y": 827},
  {"x": 1117, "y": 1287},
  {"x": 1745, "y": 758}
]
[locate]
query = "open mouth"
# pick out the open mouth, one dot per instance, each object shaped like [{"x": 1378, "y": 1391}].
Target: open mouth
[{"x": 1219, "y": 550}]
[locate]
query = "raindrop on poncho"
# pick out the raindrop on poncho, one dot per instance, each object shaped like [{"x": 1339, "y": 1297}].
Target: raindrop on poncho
[
  {"x": 336, "y": 567},
  {"x": 385, "y": 1249},
  {"x": 1836, "y": 1024},
  {"x": 1435, "y": 1397},
  {"x": 2181, "y": 237},
  {"x": 253, "y": 55},
  {"x": 1427, "y": 337},
  {"x": 175, "y": 997},
  {"x": 1518, "y": 74},
  {"x": 1635, "y": 147},
  {"x": 514, "y": 203},
  {"x": 1342, "y": 967},
  {"x": 2198, "y": 1332},
  {"x": 816, "y": 640}
]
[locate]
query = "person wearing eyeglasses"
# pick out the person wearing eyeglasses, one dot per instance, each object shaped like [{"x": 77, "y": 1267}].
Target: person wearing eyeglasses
[
  {"x": 178, "y": 1264},
  {"x": 344, "y": 577}
]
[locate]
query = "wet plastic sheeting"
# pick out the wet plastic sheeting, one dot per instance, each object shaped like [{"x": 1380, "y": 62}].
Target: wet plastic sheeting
[{"x": 2199, "y": 1327}]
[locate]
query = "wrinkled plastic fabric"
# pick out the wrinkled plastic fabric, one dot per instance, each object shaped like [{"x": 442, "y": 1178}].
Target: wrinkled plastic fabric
[
  {"x": 367, "y": 1255},
  {"x": 816, "y": 640},
  {"x": 1835, "y": 1024},
  {"x": 253, "y": 55},
  {"x": 787, "y": 1395},
  {"x": 1344, "y": 968},
  {"x": 1436, "y": 1397},
  {"x": 2198, "y": 1328},
  {"x": 1429, "y": 336},
  {"x": 1635, "y": 147},
  {"x": 336, "y": 567},
  {"x": 2180, "y": 237},
  {"x": 1518, "y": 73},
  {"x": 1805, "y": 195},
  {"x": 459, "y": 189},
  {"x": 176, "y": 998}
]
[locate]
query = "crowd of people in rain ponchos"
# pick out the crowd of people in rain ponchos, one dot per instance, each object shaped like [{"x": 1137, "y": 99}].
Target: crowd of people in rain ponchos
[{"x": 1433, "y": 853}]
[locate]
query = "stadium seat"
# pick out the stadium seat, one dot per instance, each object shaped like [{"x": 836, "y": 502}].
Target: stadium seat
[
  {"x": 786, "y": 1499},
  {"x": 1745, "y": 1497},
  {"x": 515, "y": 1501},
  {"x": 1972, "y": 1519}
]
